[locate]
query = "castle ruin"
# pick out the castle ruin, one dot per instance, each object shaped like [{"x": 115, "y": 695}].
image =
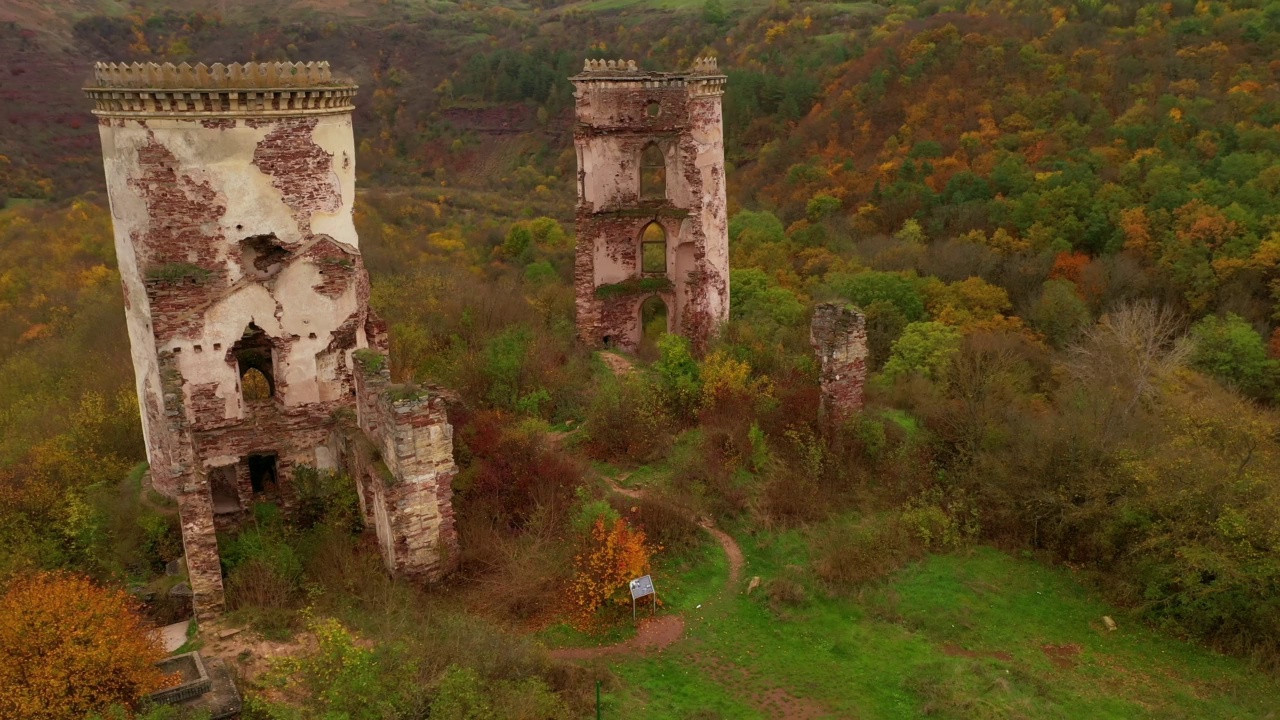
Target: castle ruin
[
  {"x": 838, "y": 334},
  {"x": 652, "y": 226},
  {"x": 254, "y": 348}
]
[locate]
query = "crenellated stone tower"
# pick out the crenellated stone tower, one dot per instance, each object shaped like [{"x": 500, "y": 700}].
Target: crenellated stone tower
[
  {"x": 651, "y": 218},
  {"x": 231, "y": 191}
]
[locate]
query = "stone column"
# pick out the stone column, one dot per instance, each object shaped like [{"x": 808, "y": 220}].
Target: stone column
[{"x": 839, "y": 338}]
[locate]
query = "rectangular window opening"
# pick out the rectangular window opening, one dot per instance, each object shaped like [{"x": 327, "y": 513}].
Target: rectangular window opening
[{"x": 262, "y": 473}]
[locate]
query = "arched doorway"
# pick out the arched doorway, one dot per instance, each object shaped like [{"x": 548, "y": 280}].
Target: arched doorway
[{"x": 654, "y": 323}]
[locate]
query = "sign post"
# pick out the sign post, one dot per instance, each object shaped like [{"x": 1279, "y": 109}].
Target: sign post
[{"x": 640, "y": 587}]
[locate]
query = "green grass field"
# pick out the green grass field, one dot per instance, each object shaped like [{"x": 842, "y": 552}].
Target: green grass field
[{"x": 974, "y": 634}]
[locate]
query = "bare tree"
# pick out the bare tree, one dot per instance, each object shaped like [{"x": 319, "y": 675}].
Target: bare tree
[{"x": 1120, "y": 362}]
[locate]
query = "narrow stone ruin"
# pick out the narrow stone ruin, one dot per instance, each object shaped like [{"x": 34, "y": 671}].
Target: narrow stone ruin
[
  {"x": 838, "y": 334},
  {"x": 255, "y": 352},
  {"x": 653, "y": 233}
]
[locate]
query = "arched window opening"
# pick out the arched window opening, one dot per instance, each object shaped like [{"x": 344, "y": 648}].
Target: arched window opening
[
  {"x": 653, "y": 109},
  {"x": 653, "y": 324},
  {"x": 653, "y": 249},
  {"x": 256, "y": 364},
  {"x": 653, "y": 174},
  {"x": 254, "y": 386}
]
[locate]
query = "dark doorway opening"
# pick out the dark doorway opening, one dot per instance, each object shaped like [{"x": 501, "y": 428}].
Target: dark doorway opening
[{"x": 262, "y": 473}]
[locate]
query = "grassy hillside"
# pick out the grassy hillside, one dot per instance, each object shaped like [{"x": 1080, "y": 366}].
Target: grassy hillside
[{"x": 977, "y": 634}]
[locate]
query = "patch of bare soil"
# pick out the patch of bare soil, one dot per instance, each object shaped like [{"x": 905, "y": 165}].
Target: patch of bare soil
[
  {"x": 774, "y": 701},
  {"x": 245, "y": 650},
  {"x": 618, "y": 364},
  {"x": 1062, "y": 656},
  {"x": 953, "y": 650}
]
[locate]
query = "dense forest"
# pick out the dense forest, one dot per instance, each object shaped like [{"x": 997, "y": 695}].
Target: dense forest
[{"x": 1061, "y": 220}]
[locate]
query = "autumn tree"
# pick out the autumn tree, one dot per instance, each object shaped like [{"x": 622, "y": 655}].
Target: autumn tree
[
  {"x": 613, "y": 554},
  {"x": 69, "y": 648}
]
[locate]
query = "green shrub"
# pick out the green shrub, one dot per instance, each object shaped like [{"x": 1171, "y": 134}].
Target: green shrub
[
  {"x": 464, "y": 695},
  {"x": 678, "y": 377},
  {"x": 865, "y": 288},
  {"x": 939, "y": 522},
  {"x": 325, "y": 496},
  {"x": 341, "y": 679},
  {"x": 1233, "y": 352},
  {"x": 847, "y": 554},
  {"x": 634, "y": 286},
  {"x": 626, "y": 419}
]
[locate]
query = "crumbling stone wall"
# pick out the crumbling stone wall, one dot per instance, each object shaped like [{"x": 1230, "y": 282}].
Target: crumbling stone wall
[
  {"x": 232, "y": 190},
  {"x": 838, "y": 334},
  {"x": 621, "y": 111},
  {"x": 401, "y": 454}
]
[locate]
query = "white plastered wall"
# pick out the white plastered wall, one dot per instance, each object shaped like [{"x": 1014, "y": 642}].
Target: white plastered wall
[{"x": 223, "y": 158}]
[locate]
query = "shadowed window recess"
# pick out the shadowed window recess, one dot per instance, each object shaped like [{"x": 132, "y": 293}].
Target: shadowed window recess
[{"x": 653, "y": 173}]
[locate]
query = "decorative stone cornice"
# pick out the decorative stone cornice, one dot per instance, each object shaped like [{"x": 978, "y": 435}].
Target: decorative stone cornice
[
  {"x": 616, "y": 73},
  {"x": 249, "y": 89},
  {"x": 702, "y": 80}
]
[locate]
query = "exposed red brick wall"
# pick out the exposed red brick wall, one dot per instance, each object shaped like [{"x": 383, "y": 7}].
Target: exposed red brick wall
[
  {"x": 611, "y": 228},
  {"x": 300, "y": 169},
  {"x": 838, "y": 334}
]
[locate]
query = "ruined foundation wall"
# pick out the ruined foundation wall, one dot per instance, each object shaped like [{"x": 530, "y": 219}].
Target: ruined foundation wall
[
  {"x": 621, "y": 112},
  {"x": 839, "y": 337},
  {"x": 402, "y": 455}
]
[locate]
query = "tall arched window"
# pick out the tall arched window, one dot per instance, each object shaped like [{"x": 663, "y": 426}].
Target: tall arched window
[
  {"x": 653, "y": 249},
  {"x": 254, "y": 360},
  {"x": 653, "y": 173}
]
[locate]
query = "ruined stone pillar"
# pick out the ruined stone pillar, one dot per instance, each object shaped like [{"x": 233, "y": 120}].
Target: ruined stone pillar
[
  {"x": 652, "y": 228},
  {"x": 839, "y": 338}
]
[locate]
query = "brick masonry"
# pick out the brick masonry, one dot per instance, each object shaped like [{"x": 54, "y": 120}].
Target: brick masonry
[
  {"x": 235, "y": 239},
  {"x": 621, "y": 112},
  {"x": 838, "y": 334}
]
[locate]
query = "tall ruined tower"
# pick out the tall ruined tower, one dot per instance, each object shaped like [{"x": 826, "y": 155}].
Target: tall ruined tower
[
  {"x": 651, "y": 218},
  {"x": 231, "y": 191}
]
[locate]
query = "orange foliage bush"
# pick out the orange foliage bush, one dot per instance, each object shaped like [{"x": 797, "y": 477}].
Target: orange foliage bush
[
  {"x": 613, "y": 557},
  {"x": 69, "y": 648}
]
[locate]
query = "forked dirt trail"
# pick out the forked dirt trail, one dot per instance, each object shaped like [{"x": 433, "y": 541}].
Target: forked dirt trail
[{"x": 660, "y": 632}]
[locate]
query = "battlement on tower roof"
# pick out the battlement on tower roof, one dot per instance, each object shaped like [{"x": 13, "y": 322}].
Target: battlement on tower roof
[
  {"x": 628, "y": 70},
  {"x": 261, "y": 75},
  {"x": 255, "y": 88}
]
